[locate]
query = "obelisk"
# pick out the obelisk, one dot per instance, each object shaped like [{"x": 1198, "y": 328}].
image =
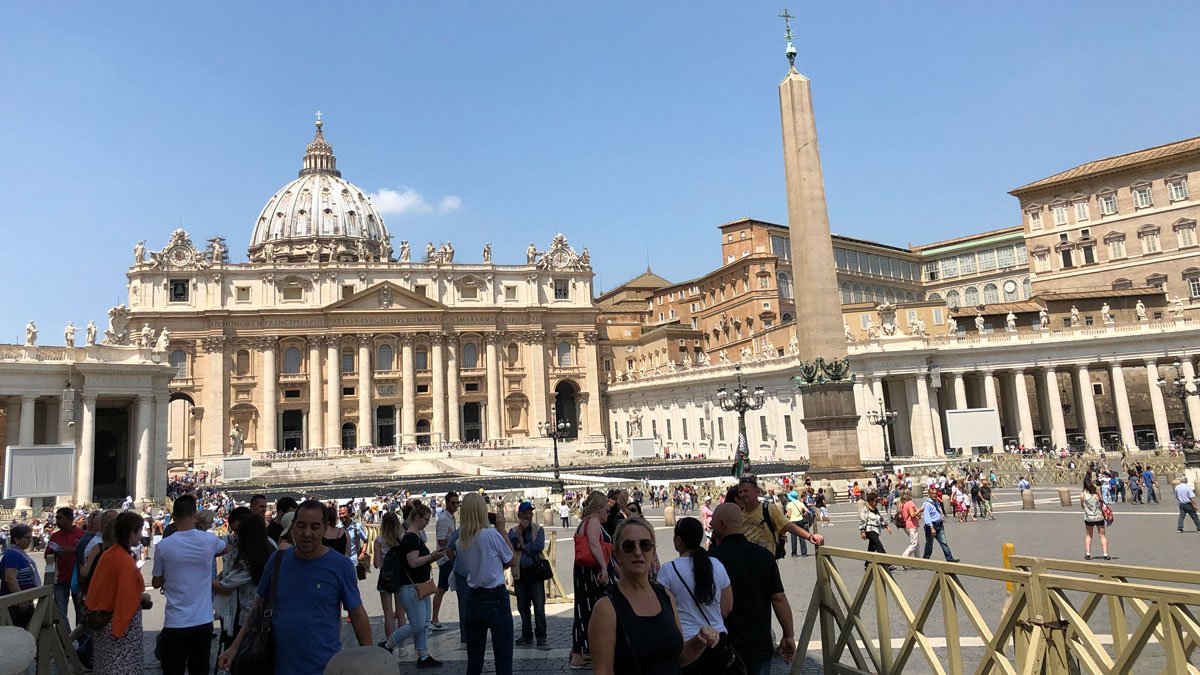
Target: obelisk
[{"x": 825, "y": 382}]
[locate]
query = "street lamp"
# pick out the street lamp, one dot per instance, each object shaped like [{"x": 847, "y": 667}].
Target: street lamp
[
  {"x": 1177, "y": 387},
  {"x": 741, "y": 400},
  {"x": 884, "y": 418},
  {"x": 561, "y": 429}
]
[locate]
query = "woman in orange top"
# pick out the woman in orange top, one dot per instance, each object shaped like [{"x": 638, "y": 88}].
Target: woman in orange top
[{"x": 118, "y": 587}]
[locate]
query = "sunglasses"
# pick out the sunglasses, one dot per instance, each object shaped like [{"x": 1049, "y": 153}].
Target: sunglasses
[{"x": 631, "y": 545}]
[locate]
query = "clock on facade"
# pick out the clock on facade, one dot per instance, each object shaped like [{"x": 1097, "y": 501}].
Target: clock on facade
[{"x": 1010, "y": 286}]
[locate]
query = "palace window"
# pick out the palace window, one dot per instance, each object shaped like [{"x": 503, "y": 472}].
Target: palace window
[
  {"x": 1041, "y": 262},
  {"x": 470, "y": 355},
  {"x": 762, "y": 429},
  {"x": 421, "y": 359},
  {"x": 787, "y": 428},
  {"x": 966, "y": 263},
  {"x": 291, "y": 361},
  {"x": 1142, "y": 198},
  {"x": 987, "y": 260},
  {"x": 931, "y": 271},
  {"x": 938, "y": 316},
  {"x": 721, "y": 429},
  {"x": 991, "y": 294},
  {"x": 514, "y": 355},
  {"x": 564, "y": 354},
  {"x": 1116, "y": 248},
  {"x": 241, "y": 362},
  {"x": 178, "y": 361},
  {"x": 1108, "y": 203},
  {"x": 1177, "y": 188},
  {"x": 1006, "y": 257},
  {"x": 949, "y": 267},
  {"x": 1192, "y": 277},
  {"x": 1156, "y": 280},
  {"x": 1027, "y": 288},
  {"x": 383, "y": 357},
  {"x": 1149, "y": 236},
  {"x": 562, "y": 290},
  {"x": 1060, "y": 214},
  {"x": 847, "y": 298},
  {"x": 971, "y": 297},
  {"x": 779, "y": 246},
  {"x": 1081, "y": 210},
  {"x": 1122, "y": 284},
  {"x": 669, "y": 430},
  {"x": 952, "y": 299},
  {"x": 348, "y": 360},
  {"x": 1185, "y": 232}
]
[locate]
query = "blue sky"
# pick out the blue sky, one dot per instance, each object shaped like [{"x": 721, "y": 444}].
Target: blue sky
[{"x": 633, "y": 127}]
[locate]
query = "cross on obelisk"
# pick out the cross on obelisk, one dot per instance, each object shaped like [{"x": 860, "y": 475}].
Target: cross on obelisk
[{"x": 787, "y": 24}]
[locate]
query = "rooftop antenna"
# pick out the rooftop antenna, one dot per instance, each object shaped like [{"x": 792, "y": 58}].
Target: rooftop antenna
[{"x": 647, "y": 260}]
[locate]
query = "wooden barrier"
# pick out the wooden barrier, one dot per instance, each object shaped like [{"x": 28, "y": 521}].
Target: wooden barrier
[{"x": 54, "y": 648}]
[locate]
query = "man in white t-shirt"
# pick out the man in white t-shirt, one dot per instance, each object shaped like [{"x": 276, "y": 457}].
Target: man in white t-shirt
[
  {"x": 445, "y": 528},
  {"x": 564, "y": 514},
  {"x": 183, "y": 568}
]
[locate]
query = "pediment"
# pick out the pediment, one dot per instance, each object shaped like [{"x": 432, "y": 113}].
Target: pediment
[{"x": 385, "y": 296}]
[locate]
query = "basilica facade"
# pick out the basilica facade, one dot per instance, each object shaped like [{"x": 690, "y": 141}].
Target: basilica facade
[{"x": 332, "y": 335}]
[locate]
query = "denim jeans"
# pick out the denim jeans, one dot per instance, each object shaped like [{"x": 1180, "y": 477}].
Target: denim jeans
[
  {"x": 803, "y": 544},
  {"x": 62, "y": 599},
  {"x": 418, "y": 619},
  {"x": 763, "y": 668},
  {"x": 938, "y": 531},
  {"x": 489, "y": 611},
  {"x": 463, "y": 592},
  {"x": 1184, "y": 510},
  {"x": 531, "y": 592}
]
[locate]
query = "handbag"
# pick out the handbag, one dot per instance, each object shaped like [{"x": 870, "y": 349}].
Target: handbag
[
  {"x": 424, "y": 589},
  {"x": 1107, "y": 513},
  {"x": 583, "y": 551},
  {"x": 361, "y": 570},
  {"x": 256, "y": 654},
  {"x": 542, "y": 570},
  {"x": 721, "y": 659}
]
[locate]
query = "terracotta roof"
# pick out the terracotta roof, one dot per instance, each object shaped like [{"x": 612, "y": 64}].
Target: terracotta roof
[
  {"x": 1100, "y": 293},
  {"x": 1114, "y": 163},
  {"x": 998, "y": 308}
]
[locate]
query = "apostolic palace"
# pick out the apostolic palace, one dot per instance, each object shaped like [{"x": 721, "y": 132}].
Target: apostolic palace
[{"x": 330, "y": 334}]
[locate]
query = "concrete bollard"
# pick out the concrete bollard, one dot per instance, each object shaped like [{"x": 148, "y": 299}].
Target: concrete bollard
[
  {"x": 1196, "y": 485},
  {"x": 1064, "y": 496},
  {"x": 1027, "y": 503},
  {"x": 549, "y": 517},
  {"x": 669, "y": 516},
  {"x": 356, "y": 660},
  {"x": 510, "y": 512}
]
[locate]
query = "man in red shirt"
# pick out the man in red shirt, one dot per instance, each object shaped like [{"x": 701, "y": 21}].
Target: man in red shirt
[{"x": 62, "y": 547}]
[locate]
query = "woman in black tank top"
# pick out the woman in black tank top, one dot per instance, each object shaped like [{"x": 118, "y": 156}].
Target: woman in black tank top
[
  {"x": 339, "y": 541},
  {"x": 635, "y": 628}
]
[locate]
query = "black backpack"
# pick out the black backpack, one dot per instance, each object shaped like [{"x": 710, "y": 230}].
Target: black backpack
[{"x": 392, "y": 570}]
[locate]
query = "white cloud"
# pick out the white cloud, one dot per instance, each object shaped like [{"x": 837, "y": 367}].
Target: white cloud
[{"x": 407, "y": 200}]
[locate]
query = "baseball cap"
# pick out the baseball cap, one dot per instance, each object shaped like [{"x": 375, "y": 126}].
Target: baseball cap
[{"x": 525, "y": 506}]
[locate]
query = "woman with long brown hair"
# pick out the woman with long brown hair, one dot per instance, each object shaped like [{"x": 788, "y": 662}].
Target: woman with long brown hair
[
  {"x": 389, "y": 599},
  {"x": 118, "y": 589},
  {"x": 590, "y": 573}
]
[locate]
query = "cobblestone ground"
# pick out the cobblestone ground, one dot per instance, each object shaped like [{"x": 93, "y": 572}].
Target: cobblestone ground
[{"x": 1142, "y": 535}]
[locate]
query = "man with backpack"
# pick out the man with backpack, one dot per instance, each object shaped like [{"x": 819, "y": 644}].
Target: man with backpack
[{"x": 763, "y": 523}]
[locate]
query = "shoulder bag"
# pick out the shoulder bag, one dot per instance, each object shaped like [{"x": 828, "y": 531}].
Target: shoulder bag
[
  {"x": 583, "y": 552},
  {"x": 256, "y": 654},
  {"x": 720, "y": 659},
  {"x": 542, "y": 570},
  {"x": 1107, "y": 513},
  {"x": 425, "y": 588},
  {"x": 780, "y": 547}
]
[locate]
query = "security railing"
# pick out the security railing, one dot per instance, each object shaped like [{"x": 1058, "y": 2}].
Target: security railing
[
  {"x": 54, "y": 647},
  {"x": 1057, "y": 618}
]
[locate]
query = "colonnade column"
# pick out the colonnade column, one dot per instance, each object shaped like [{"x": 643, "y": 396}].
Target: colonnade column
[
  {"x": 935, "y": 418},
  {"x": 408, "y": 401},
  {"x": 923, "y": 422},
  {"x": 493, "y": 389},
  {"x": 333, "y": 391},
  {"x": 50, "y": 425},
  {"x": 989, "y": 390},
  {"x": 869, "y": 441},
  {"x": 316, "y": 420},
  {"x": 1121, "y": 404},
  {"x": 25, "y": 432},
  {"x": 1161, "y": 427},
  {"x": 268, "y": 437},
  {"x": 959, "y": 391},
  {"x": 86, "y": 468},
  {"x": 366, "y": 421},
  {"x": 1091, "y": 423},
  {"x": 592, "y": 384},
  {"x": 1188, "y": 371},
  {"x": 438, "y": 388},
  {"x": 158, "y": 453},
  {"x": 1058, "y": 426},
  {"x": 453, "y": 410},
  {"x": 142, "y": 474},
  {"x": 1024, "y": 415}
]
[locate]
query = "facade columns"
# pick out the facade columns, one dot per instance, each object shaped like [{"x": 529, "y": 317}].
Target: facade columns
[
  {"x": 923, "y": 421},
  {"x": 212, "y": 425},
  {"x": 158, "y": 453},
  {"x": 1091, "y": 423},
  {"x": 494, "y": 431},
  {"x": 960, "y": 391},
  {"x": 1161, "y": 428},
  {"x": 453, "y": 409},
  {"x": 591, "y": 394},
  {"x": 25, "y": 432},
  {"x": 1121, "y": 404},
  {"x": 539, "y": 401},
  {"x": 85, "y": 471},
  {"x": 989, "y": 390},
  {"x": 438, "y": 388},
  {"x": 408, "y": 409},
  {"x": 366, "y": 421},
  {"x": 1058, "y": 426},
  {"x": 1188, "y": 371},
  {"x": 51, "y": 425},
  {"x": 316, "y": 420},
  {"x": 869, "y": 442},
  {"x": 1024, "y": 415},
  {"x": 935, "y": 417},
  {"x": 333, "y": 391},
  {"x": 268, "y": 437},
  {"x": 145, "y": 408}
]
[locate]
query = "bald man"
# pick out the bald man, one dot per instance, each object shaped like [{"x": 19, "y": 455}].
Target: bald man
[{"x": 757, "y": 590}]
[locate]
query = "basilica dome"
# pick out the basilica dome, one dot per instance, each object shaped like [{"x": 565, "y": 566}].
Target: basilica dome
[{"x": 320, "y": 217}]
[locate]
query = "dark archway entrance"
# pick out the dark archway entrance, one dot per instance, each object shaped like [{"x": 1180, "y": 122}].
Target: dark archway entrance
[
  {"x": 422, "y": 432},
  {"x": 472, "y": 427},
  {"x": 111, "y": 466},
  {"x": 566, "y": 406},
  {"x": 349, "y": 436},
  {"x": 293, "y": 430},
  {"x": 385, "y": 425}
]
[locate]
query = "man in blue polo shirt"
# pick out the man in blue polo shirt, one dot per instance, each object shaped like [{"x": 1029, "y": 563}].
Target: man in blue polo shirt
[{"x": 315, "y": 583}]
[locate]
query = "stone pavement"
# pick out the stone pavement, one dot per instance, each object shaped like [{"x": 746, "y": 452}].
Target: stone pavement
[{"x": 1142, "y": 535}]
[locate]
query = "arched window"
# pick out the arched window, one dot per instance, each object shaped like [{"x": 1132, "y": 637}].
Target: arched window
[
  {"x": 991, "y": 294},
  {"x": 971, "y": 297},
  {"x": 179, "y": 362},
  {"x": 470, "y": 355},
  {"x": 422, "y": 359},
  {"x": 1027, "y": 288},
  {"x": 514, "y": 355},
  {"x": 348, "y": 360},
  {"x": 785, "y": 285},
  {"x": 908, "y": 295},
  {"x": 858, "y": 293},
  {"x": 953, "y": 299},
  {"x": 933, "y": 297},
  {"x": 349, "y": 436},
  {"x": 383, "y": 358},
  {"x": 890, "y": 294},
  {"x": 1156, "y": 280},
  {"x": 564, "y": 354},
  {"x": 1122, "y": 284},
  {"x": 846, "y": 294},
  {"x": 241, "y": 363},
  {"x": 291, "y": 361}
]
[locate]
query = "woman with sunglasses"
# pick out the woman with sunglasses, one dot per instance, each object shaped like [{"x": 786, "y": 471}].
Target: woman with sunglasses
[
  {"x": 635, "y": 510},
  {"x": 635, "y": 627}
]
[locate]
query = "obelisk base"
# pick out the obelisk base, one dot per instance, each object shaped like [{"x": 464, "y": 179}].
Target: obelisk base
[{"x": 831, "y": 424}]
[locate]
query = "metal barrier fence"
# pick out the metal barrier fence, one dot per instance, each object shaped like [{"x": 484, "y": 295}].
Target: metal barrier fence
[
  {"x": 54, "y": 648},
  {"x": 1053, "y": 621}
]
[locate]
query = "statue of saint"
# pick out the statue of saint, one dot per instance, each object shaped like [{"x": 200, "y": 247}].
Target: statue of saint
[
  {"x": 487, "y": 254},
  {"x": 1011, "y": 321},
  {"x": 1140, "y": 308},
  {"x": 1176, "y": 309},
  {"x": 237, "y": 444},
  {"x": 139, "y": 253},
  {"x": 671, "y": 368},
  {"x": 1074, "y": 316},
  {"x": 69, "y": 334},
  {"x": 1043, "y": 318},
  {"x": 979, "y": 324},
  {"x": 31, "y": 332},
  {"x": 90, "y": 334},
  {"x": 585, "y": 258},
  {"x": 430, "y": 252},
  {"x": 147, "y": 336},
  {"x": 1106, "y": 314},
  {"x": 952, "y": 326},
  {"x": 218, "y": 251},
  {"x": 268, "y": 252},
  {"x": 702, "y": 359},
  {"x": 724, "y": 356},
  {"x": 447, "y": 252},
  {"x": 794, "y": 343},
  {"x": 531, "y": 254},
  {"x": 404, "y": 252},
  {"x": 164, "y": 339}
]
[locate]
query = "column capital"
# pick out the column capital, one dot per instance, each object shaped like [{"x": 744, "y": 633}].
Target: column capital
[
  {"x": 533, "y": 337},
  {"x": 1150, "y": 362},
  {"x": 495, "y": 338},
  {"x": 88, "y": 398},
  {"x": 406, "y": 339},
  {"x": 145, "y": 398},
  {"x": 214, "y": 343},
  {"x": 437, "y": 338},
  {"x": 1019, "y": 371},
  {"x": 265, "y": 342},
  {"x": 333, "y": 340},
  {"x": 316, "y": 341},
  {"x": 591, "y": 337},
  {"x": 365, "y": 339}
]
